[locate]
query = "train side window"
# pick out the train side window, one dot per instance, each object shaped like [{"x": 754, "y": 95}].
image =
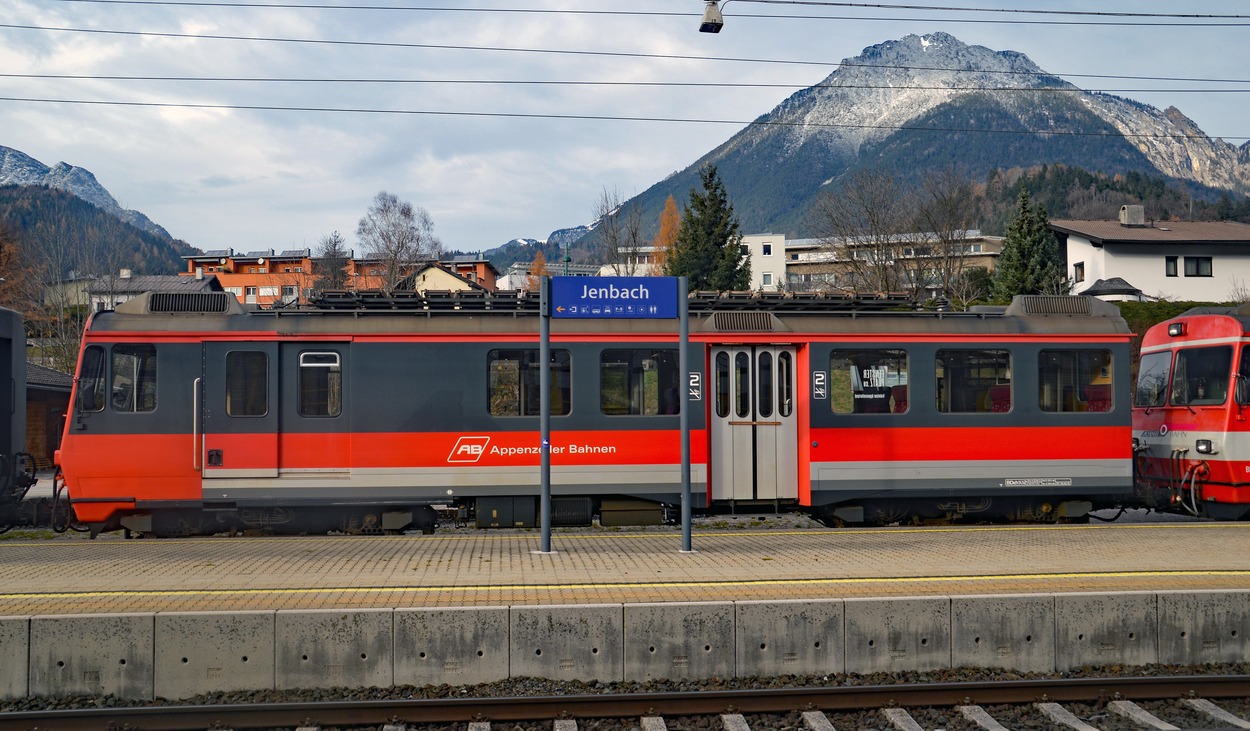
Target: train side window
[
  {"x": 742, "y": 385},
  {"x": 868, "y": 381},
  {"x": 1152, "y": 379},
  {"x": 785, "y": 384},
  {"x": 1075, "y": 380},
  {"x": 1200, "y": 375},
  {"x": 514, "y": 382},
  {"x": 91, "y": 379},
  {"x": 320, "y": 383},
  {"x": 134, "y": 378},
  {"x": 973, "y": 381},
  {"x": 722, "y": 384},
  {"x": 1241, "y": 379},
  {"x": 638, "y": 382},
  {"x": 247, "y": 383}
]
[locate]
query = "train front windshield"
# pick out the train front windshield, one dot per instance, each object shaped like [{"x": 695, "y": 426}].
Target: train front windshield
[{"x": 1196, "y": 377}]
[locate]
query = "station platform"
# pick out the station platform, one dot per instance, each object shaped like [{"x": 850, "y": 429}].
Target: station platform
[{"x": 781, "y": 557}]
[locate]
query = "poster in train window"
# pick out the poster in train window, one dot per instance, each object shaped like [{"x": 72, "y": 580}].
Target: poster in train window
[
  {"x": 639, "y": 382},
  {"x": 868, "y": 381},
  {"x": 134, "y": 378},
  {"x": 973, "y": 381},
  {"x": 513, "y": 382},
  {"x": 1074, "y": 381}
]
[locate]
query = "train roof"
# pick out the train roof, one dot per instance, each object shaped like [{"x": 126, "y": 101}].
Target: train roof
[{"x": 410, "y": 312}]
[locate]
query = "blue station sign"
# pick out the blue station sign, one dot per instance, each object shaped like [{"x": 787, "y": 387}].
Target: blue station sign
[{"x": 614, "y": 297}]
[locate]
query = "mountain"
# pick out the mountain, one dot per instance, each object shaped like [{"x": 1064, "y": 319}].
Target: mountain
[
  {"x": 913, "y": 104},
  {"x": 18, "y": 168},
  {"x": 73, "y": 236}
]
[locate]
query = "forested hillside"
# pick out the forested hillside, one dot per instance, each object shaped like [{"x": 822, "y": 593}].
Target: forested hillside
[{"x": 63, "y": 233}]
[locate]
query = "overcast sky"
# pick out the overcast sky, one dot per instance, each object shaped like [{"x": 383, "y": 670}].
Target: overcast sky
[{"x": 283, "y": 178}]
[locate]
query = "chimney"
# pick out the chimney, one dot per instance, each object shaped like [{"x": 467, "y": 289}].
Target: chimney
[
  {"x": 1133, "y": 216},
  {"x": 199, "y": 273},
  {"x": 124, "y": 274}
]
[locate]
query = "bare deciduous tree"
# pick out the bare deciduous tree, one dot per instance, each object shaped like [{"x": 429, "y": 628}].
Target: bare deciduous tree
[
  {"x": 946, "y": 208},
  {"x": 619, "y": 234},
  {"x": 865, "y": 226},
  {"x": 399, "y": 235}
]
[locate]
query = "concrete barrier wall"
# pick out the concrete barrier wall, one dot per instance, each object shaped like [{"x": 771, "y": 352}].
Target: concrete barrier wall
[{"x": 182, "y": 654}]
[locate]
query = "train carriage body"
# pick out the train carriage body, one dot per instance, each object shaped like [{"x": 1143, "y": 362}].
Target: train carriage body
[
  {"x": 1190, "y": 408},
  {"x": 192, "y": 414}
]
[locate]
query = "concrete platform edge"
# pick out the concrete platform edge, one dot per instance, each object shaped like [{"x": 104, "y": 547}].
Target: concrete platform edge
[{"x": 182, "y": 654}]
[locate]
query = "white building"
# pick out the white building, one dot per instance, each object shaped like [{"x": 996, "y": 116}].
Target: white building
[{"x": 1203, "y": 261}]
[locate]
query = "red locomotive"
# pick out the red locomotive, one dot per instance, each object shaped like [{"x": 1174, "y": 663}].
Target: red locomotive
[
  {"x": 192, "y": 414},
  {"x": 1190, "y": 409}
]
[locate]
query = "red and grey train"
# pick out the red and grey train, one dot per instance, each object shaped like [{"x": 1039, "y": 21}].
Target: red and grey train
[
  {"x": 193, "y": 414},
  {"x": 1190, "y": 408}
]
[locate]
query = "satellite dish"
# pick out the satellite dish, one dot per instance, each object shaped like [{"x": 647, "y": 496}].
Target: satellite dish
[
  {"x": 222, "y": 260},
  {"x": 260, "y": 260}
]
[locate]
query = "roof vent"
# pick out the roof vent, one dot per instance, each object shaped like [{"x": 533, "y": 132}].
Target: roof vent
[
  {"x": 744, "y": 322},
  {"x": 1050, "y": 304},
  {"x": 197, "y": 302}
]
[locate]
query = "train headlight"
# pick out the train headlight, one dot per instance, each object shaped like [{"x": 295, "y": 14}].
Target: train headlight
[
  {"x": 1205, "y": 446},
  {"x": 1176, "y": 329}
]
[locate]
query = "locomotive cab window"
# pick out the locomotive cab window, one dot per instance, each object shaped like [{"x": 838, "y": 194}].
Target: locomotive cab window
[
  {"x": 247, "y": 383},
  {"x": 320, "y": 384},
  {"x": 134, "y": 378},
  {"x": 514, "y": 388},
  {"x": 868, "y": 381},
  {"x": 973, "y": 381},
  {"x": 1152, "y": 379},
  {"x": 1200, "y": 376},
  {"x": 91, "y": 379},
  {"x": 1075, "y": 380},
  {"x": 638, "y": 382}
]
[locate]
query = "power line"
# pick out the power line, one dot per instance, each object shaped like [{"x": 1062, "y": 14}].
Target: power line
[
  {"x": 1024, "y": 11},
  {"x": 652, "y": 84},
  {"x": 579, "y": 11},
  {"x": 597, "y": 117},
  {"x": 574, "y": 52}
]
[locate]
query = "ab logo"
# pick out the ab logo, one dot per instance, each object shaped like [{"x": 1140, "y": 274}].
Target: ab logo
[{"x": 468, "y": 449}]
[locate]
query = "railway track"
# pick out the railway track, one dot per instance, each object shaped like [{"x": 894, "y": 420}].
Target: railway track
[{"x": 1058, "y": 703}]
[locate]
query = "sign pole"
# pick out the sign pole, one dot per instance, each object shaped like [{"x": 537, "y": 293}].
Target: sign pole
[
  {"x": 683, "y": 367},
  {"x": 544, "y": 409}
]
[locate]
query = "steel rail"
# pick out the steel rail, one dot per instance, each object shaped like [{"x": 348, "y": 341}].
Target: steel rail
[{"x": 610, "y": 705}]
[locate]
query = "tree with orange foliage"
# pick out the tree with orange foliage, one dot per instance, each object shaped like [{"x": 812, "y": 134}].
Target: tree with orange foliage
[
  {"x": 537, "y": 269},
  {"x": 670, "y": 222}
]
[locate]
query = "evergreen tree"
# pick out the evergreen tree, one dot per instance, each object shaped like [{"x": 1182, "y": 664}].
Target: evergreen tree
[
  {"x": 707, "y": 249},
  {"x": 331, "y": 263},
  {"x": 1029, "y": 263}
]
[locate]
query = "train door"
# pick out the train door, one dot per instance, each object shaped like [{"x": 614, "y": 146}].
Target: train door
[
  {"x": 754, "y": 452},
  {"x": 239, "y": 410}
]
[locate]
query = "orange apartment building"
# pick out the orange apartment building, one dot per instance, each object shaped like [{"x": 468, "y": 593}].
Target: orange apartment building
[{"x": 269, "y": 279}]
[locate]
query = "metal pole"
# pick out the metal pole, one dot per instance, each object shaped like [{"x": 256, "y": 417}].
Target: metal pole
[
  {"x": 683, "y": 367},
  {"x": 544, "y": 408}
]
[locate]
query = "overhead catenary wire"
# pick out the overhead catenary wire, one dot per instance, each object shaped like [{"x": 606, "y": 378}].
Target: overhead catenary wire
[
  {"x": 601, "y": 118},
  {"x": 586, "y": 52},
  {"x": 581, "y": 11},
  {"x": 593, "y": 82}
]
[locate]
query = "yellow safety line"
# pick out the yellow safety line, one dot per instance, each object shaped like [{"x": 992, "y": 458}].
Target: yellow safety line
[{"x": 640, "y": 585}]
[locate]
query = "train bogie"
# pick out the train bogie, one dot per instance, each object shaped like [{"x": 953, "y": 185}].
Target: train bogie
[{"x": 201, "y": 416}]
